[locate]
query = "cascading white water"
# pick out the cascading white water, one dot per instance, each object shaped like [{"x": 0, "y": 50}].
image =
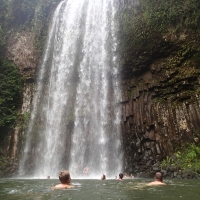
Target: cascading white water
[{"x": 75, "y": 122}]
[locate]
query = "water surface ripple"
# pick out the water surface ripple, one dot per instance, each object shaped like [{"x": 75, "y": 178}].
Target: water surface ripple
[{"x": 28, "y": 189}]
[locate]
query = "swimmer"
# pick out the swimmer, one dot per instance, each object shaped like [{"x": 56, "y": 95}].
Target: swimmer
[
  {"x": 65, "y": 179},
  {"x": 158, "y": 180},
  {"x": 120, "y": 177},
  {"x": 103, "y": 177},
  {"x": 132, "y": 176},
  {"x": 126, "y": 175}
]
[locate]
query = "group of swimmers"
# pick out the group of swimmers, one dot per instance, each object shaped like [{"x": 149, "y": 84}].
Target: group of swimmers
[{"x": 65, "y": 179}]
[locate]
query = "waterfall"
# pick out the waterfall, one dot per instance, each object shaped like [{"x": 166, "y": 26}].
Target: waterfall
[{"x": 75, "y": 120}]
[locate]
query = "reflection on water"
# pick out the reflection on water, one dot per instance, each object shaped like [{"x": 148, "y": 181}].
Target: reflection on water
[{"x": 96, "y": 189}]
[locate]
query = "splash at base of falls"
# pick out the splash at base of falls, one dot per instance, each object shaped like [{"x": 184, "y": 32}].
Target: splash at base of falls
[{"x": 75, "y": 122}]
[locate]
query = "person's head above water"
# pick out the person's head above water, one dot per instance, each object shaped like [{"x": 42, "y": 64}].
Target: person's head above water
[
  {"x": 64, "y": 177},
  {"x": 121, "y": 176},
  {"x": 158, "y": 177},
  {"x": 103, "y": 177},
  {"x": 158, "y": 180},
  {"x": 65, "y": 180}
]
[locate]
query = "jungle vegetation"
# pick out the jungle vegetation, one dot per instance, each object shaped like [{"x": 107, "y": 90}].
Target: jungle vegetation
[
  {"x": 186, "y": 158},
  {"x": 18, "y": 15},
  {"x": 157, "y": 29}
]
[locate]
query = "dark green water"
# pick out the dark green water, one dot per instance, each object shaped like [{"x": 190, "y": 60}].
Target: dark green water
[{"x": 15, "y": 189}]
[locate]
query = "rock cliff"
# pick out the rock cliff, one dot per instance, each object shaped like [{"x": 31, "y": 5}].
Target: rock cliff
[{"x": 160, "y": 83}]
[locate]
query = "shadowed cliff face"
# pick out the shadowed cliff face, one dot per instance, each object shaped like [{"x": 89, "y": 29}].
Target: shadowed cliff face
[
  {"x": 160, "y": 73},
  {"x": 154, "y": 123}
]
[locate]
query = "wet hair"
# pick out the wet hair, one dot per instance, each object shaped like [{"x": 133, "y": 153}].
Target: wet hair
[
  {"x": 121, "y": 175},
  {"x": 158, "y": 176},
  {"x": 103, "y": 177},
  {"x": 64, "y": 176}
]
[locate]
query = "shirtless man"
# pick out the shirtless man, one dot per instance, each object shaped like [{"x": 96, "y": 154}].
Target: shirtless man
[
  {"x": 158, "y": 180},
  {"x": 65, "y": 179}
]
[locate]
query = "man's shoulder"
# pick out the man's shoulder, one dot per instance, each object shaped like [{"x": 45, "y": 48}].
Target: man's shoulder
[
  {"x": 62, "y": 186},
  {"x": 155, "y": 183}
]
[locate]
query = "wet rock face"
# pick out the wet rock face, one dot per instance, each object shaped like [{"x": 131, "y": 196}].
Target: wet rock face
[
  {"x": 155, "y": 119},
  {"x": 22, "y": 52}
]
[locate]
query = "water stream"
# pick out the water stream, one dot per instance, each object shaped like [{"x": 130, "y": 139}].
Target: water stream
[{"x": 75, "y": 120}]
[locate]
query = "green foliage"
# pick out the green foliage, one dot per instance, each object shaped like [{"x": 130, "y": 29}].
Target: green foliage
[
  {"x": 177, "y": 14},
  {"x": 3, "y": 11},
  {"x": 19, "y": 15},
  {"x": 167, "y": 162},
  {"x": 157, "y": 29},
  {"x": 2, "y": 43},
  {"x": 187, "y": 158},
  {"x": 21, "y": 12},
  {"x": 3, "y": 163},
  {"x": 23, "y": 120},
  {"x": 10, "y": 90}
]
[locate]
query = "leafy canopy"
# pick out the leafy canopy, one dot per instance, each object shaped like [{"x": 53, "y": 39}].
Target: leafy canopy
[{"x": 10, "y": 89}]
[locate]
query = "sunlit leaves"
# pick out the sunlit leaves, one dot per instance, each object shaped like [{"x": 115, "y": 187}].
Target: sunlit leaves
[{"x": 187, "y": 158}]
